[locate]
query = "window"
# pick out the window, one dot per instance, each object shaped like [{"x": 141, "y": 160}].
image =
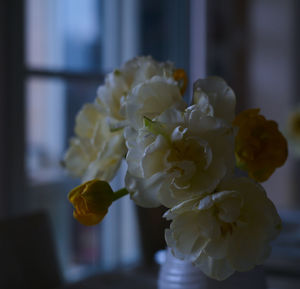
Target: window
[
  {"x": 65, "y": 61},
  {"x": 69, "y": 46}
]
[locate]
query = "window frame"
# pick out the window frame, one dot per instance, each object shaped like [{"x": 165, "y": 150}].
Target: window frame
[{"x": 12, "y": 115}]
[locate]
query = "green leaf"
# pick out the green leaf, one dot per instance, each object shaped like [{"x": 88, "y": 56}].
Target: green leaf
[{"x": 156, "y": 127}]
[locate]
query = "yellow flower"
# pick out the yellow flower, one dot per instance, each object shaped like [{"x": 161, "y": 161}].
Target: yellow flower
[
  {"x": 91, "y": 201},
  {"x": 180, "y": 76},
  {"x": 294, "y": 123},
  {"x": 259, "y": 146},
  {"x": 293, "y": 131}
]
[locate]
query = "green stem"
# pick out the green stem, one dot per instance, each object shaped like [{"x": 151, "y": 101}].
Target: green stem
[{"x": 120, "y": 193}]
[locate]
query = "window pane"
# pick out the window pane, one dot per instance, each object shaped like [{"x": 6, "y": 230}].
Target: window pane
[
  {"x": 59, "y": 31},
  {"x": 51, "y": 106}
]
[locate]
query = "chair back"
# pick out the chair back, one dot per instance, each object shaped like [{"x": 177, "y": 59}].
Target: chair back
[{"x": 27, "y": 253}]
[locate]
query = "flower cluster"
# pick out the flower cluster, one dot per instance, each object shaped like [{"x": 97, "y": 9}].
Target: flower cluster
[{"x": 182, "y": 157}]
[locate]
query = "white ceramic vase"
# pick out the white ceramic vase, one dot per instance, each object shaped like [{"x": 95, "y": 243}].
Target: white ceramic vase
[{"x": 178, "y": 274}]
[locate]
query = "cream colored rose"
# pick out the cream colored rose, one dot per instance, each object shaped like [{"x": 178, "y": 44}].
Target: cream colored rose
[
  {"x": 226, "y": 231},
  {"x": 95, "y": 152},
  {"x": 183, "y": 157},
  {"x": 111, "y": 92},
  {"x": 151, "y": 98},
  {"x": 120, "y": 82},
  {"x": 98, "y": 147},
  {"x": 77, "y": 157},
  {"x": 142, "y": 68},
  {"x": 214, "y": 95}
]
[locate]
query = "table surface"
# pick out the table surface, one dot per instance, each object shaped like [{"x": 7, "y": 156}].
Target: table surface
[
  {"x": 141, "y": 278},
  {"x": 134, "y": 279}
]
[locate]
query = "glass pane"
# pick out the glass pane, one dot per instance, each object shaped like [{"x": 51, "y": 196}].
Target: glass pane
[
  {"x": 59, "y": 31},
  {"x": 51, "y": 106}
]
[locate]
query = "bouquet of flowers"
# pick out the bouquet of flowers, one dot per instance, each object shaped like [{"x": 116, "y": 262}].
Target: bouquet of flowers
[{"x": 182, "y": 157}]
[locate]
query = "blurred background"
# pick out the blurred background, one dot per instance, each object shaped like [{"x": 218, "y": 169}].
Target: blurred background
[{"x": 55, "y": 53}]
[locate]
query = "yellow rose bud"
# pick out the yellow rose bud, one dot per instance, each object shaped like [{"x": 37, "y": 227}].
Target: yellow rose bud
[
  {"x": 180, "y": 76},
  {"x": 293, "y": 131},
  {"x": 259, "y": 146},
  {"x": 91, "y": 201}
]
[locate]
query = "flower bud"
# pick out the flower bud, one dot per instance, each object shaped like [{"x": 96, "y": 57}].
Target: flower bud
[
  {"x": 259, "y": 146},
  {"x": 91, "y": 201}
]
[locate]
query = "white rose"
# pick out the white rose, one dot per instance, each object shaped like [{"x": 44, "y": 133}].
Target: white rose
[
  {"x": 150, "y": 98},
  {"x": 170, "y": 162},
  {"x": 145, "y": 67},
  {"x": 215, "y": 95},
  {"x": 95, "y": 152},
  {"x": 77, "y": 157},
  {"x": 111, "y": 92},
  {"x": 226, "y": 231},
  {"x": 119, "y": 83}
]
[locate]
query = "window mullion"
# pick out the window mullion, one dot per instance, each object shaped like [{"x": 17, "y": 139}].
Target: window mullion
[{"x": 66, "y": 75}]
